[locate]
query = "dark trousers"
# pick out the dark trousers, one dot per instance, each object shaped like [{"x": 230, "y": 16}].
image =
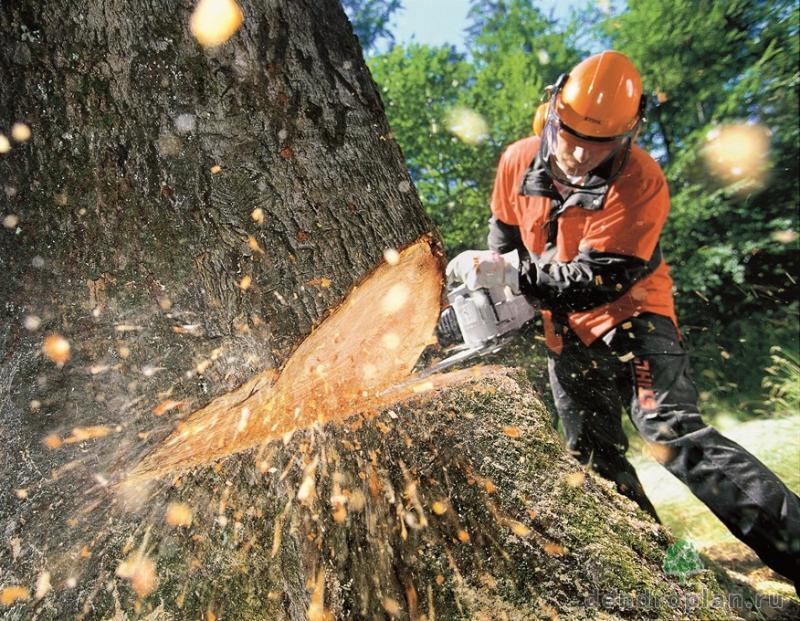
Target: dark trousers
[{"x": 642, "y": 365}]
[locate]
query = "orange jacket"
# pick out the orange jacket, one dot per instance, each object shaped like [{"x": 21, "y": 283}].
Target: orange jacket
[{"x": 601, "y": 265}]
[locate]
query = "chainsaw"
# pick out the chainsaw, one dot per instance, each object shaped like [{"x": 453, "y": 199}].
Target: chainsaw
[{"x": 478, "y": 322}]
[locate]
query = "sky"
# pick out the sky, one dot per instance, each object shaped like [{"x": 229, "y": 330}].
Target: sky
[{"x": 436, "y": 22}]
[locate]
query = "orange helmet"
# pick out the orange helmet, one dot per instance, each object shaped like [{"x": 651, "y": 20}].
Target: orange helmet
[
  {"x": 591, "y": 119},
  {"x": 601, "y": 97}
]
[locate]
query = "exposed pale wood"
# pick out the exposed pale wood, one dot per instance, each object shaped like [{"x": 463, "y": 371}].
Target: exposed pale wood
[{"x": 347, "y": 365}]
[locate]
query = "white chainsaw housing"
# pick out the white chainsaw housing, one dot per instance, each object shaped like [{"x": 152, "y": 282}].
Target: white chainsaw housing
[
  {"x": 484, "y": 315},
  {"x": 487, "y": 318}
]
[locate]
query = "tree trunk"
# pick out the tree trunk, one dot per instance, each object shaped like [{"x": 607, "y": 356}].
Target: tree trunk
[{"x": 183, "y": 218}]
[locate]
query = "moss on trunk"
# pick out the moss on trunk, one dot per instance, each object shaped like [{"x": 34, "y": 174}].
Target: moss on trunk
[{"x": 458, "y": 504}]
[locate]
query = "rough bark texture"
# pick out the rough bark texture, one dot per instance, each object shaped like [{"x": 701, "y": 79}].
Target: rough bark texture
[
  {"x": 130, "y": 247},
  {"x": 129, "y": 114},
  {"x": 133, "y": 249}
]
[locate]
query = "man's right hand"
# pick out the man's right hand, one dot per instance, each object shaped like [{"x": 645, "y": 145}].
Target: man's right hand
[{"x": 485, "y": 268}]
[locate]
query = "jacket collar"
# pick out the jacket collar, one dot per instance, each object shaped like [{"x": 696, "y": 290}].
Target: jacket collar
[{"x": 537, "y": 182}]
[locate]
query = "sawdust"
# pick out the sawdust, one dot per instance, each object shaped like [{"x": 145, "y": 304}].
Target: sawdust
[{"x": 358, "y": 360}]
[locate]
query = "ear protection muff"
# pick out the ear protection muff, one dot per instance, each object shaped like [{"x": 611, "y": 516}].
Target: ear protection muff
[{"x": 540, "y": 117}]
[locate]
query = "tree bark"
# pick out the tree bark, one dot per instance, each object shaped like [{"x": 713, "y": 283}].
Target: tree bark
[{"x": 176, "y": 282}]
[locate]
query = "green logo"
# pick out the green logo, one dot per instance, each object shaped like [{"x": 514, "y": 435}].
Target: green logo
[{"x": 682, "y": 560}]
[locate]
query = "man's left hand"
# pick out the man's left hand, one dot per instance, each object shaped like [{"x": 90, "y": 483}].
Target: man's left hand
[{"x": 485, "y": 268}]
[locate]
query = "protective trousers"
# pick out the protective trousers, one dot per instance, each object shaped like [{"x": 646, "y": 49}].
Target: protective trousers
[{"x": 643, "y": 364}]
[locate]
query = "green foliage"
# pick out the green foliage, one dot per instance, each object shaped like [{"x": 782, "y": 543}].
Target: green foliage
[
  {"x": 516, "y": 51},
  {"x": 419, "y": 86},
  {"x": 783, "y": 379},
  {"x": 512, "y": 54},
  {"x": 731, "y": 362}
]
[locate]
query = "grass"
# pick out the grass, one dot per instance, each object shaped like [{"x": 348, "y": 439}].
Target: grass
[{"x": 775, "y": 441}]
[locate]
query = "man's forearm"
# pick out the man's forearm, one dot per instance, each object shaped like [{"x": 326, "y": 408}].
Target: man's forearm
[
  {"x": 504, "y": 237},
  {"x": 590, "y": 280}
]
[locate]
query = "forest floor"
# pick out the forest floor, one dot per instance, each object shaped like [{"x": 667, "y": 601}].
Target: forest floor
[{"x": 776, "y": 442}]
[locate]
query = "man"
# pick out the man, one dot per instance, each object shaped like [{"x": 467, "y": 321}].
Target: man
[{"x": 576, "y": 218}]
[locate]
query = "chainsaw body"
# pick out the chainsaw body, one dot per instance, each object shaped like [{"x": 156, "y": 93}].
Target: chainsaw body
[
  {"x": 485, "y": 318},
  {"x": 485, "y": 315}
]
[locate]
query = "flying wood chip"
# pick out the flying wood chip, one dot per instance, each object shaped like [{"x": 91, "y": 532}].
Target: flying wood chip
[
  {"x": 10, "y": 595},
  {"x": 324, "y": 379}
]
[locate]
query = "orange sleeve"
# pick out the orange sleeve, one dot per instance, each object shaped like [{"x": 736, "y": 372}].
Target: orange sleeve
[
  {"x": 630, "y": 222},
  {"x": 505, "y": 190}
]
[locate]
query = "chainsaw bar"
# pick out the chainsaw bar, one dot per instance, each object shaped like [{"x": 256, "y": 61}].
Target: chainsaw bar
[
  {"x": 464, "y": 354},
  {"x": 467, "y": 354}
]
